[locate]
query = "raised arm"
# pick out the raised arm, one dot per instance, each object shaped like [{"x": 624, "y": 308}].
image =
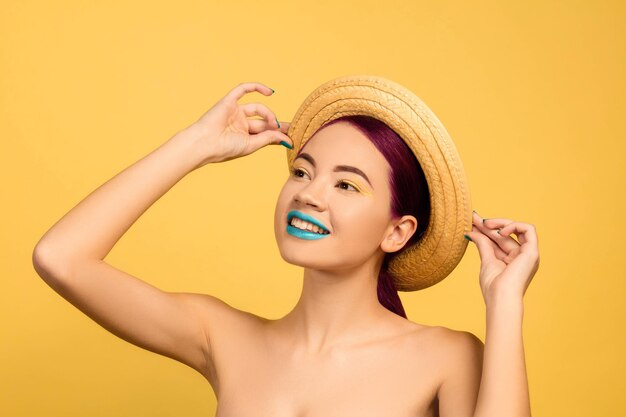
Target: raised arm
[
  {"x": 69, "y": 256},
  {"x": 507, "y": 268}
]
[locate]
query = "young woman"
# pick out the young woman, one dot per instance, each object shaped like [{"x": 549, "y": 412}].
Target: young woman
[{"x": 344, "y": 214}]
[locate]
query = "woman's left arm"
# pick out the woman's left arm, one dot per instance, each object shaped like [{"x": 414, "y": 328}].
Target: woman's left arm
[{"x": 507, "y": 268}]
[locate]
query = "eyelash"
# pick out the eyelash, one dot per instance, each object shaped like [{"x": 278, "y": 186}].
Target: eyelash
[
  {"x": 296, "y": 171},
  {"x": 349, "y": 185}
]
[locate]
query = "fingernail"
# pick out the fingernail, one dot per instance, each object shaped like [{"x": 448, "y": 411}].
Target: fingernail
[
  {"x": 272, "y": 90},
  {"x": 277, "y": 121},
  {"x": 286, "y": 145},
  {"x": 484, "y": 220},
  {"x": 467, "y": 237}
]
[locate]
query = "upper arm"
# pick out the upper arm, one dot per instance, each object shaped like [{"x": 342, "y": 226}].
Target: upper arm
[
  {"x": 458, "y": 392},
  {"x": 171, "y": 324}
]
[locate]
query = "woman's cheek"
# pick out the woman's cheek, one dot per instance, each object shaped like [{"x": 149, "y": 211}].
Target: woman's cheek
[{"x": 363, "y": 227}]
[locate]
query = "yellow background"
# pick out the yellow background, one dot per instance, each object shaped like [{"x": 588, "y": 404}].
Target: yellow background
[{"x": 532, "y": 93}]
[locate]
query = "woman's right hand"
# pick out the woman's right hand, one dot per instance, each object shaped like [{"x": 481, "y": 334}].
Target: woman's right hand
[{"x": 225, "y": 132}]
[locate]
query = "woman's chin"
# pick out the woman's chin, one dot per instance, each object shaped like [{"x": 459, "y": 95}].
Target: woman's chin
[
  {"x": 319, "y": 261},
  {"x": 300, "y": 259}
]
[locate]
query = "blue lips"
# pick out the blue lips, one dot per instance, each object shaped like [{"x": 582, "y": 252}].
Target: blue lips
[{"x": 304, "y": 234}]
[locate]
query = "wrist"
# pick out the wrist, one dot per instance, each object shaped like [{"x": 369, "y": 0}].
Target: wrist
[
  {"x": 505, "y": 302},
  {"x": 191, "y": 137}
]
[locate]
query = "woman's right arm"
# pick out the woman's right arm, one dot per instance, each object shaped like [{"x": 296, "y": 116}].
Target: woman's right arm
[{"x": 69, "y": 257}]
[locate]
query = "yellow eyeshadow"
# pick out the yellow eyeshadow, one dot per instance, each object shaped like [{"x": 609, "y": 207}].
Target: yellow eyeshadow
[
  {"x": 361, "y": 189},
  {"x": 294, "y": 169}
]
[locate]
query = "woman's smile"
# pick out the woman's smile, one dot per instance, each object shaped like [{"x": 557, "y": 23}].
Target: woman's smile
[{"x": 303, "y": 226}]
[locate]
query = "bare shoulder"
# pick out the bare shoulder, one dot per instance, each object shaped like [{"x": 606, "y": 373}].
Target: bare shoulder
[
  {"x": 214, "y": 312},
  {"x": 216, "y": 307},
  {"x": 451, "y": 353},
  {"x": 456, "y": 339},
  {"x": 441, "y": 361},
  {"x": 226, "y": 329},
  {"x": 459, "y": 355},
  {"x": 453, "y": 345},
  {"x": 444, "y": 337}
]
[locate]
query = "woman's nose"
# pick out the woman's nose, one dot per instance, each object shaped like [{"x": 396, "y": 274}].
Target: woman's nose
[{"x": 312, "y": 195}]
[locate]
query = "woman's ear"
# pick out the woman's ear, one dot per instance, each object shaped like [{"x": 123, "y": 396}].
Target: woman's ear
[{"x": 399, "y": 232}]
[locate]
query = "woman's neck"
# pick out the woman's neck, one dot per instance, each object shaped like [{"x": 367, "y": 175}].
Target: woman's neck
[{"x": 337, "y": 309}]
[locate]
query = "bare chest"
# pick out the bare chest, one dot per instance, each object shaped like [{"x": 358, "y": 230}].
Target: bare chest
[{"x": 368, "y": 382}]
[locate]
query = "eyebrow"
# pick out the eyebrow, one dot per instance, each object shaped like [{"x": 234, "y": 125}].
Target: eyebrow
[{"x": 338, "y": 168}]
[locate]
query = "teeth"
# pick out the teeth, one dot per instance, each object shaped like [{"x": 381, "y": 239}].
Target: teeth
[{"x": 301, "y": 224}]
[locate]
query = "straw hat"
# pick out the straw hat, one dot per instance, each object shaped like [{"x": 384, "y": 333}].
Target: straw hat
[{"x": 441, "y": 248}]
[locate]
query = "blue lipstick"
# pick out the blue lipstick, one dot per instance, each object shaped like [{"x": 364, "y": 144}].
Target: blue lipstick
[{"x": 305, "y": 234}]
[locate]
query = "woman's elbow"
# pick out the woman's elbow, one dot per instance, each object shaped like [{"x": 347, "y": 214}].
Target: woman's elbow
[{"x": 48, "y": 264}]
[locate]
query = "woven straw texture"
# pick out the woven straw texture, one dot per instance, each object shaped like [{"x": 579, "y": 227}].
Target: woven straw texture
[{"x": 441, "y": 248}]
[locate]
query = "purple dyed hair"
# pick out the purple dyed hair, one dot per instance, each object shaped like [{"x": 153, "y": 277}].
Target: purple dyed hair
[{"x": 409, "y": 194}]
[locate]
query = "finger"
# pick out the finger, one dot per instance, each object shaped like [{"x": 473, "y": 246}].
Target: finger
[
  {"x": 498, "y": 253},
  {"x": 265, "y": 138},
  {"x": 525, "y": 232},
  {"x": 485, "y": 223},
  {"x": 487, "y": 249},
  {"x": 496, "y": 223},
  {"x": 284, "y": 126},
  {"x": 491, "y": 228},
  {"x": 258, "y": 126},
  {"x": 480, "y": 224},
  {"x": 244, "y": 88},
  {"x": 258, "y": 109},
  {"x": 478, "y": 235}
]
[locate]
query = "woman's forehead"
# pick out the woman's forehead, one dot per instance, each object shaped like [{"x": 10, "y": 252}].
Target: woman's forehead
[{"x": 342, "y": 142}]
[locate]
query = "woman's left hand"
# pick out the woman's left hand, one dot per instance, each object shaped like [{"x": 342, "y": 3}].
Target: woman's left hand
[{"x": 507, "y": 265}]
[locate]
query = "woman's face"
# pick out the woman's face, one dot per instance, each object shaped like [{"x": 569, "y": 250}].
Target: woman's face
[{"x": 340, "y": 183}]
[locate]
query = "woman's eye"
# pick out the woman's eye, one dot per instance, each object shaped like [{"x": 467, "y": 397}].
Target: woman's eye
[
  {"x": 297, "y": 172},
  {"x": 346, "y": 186}
]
